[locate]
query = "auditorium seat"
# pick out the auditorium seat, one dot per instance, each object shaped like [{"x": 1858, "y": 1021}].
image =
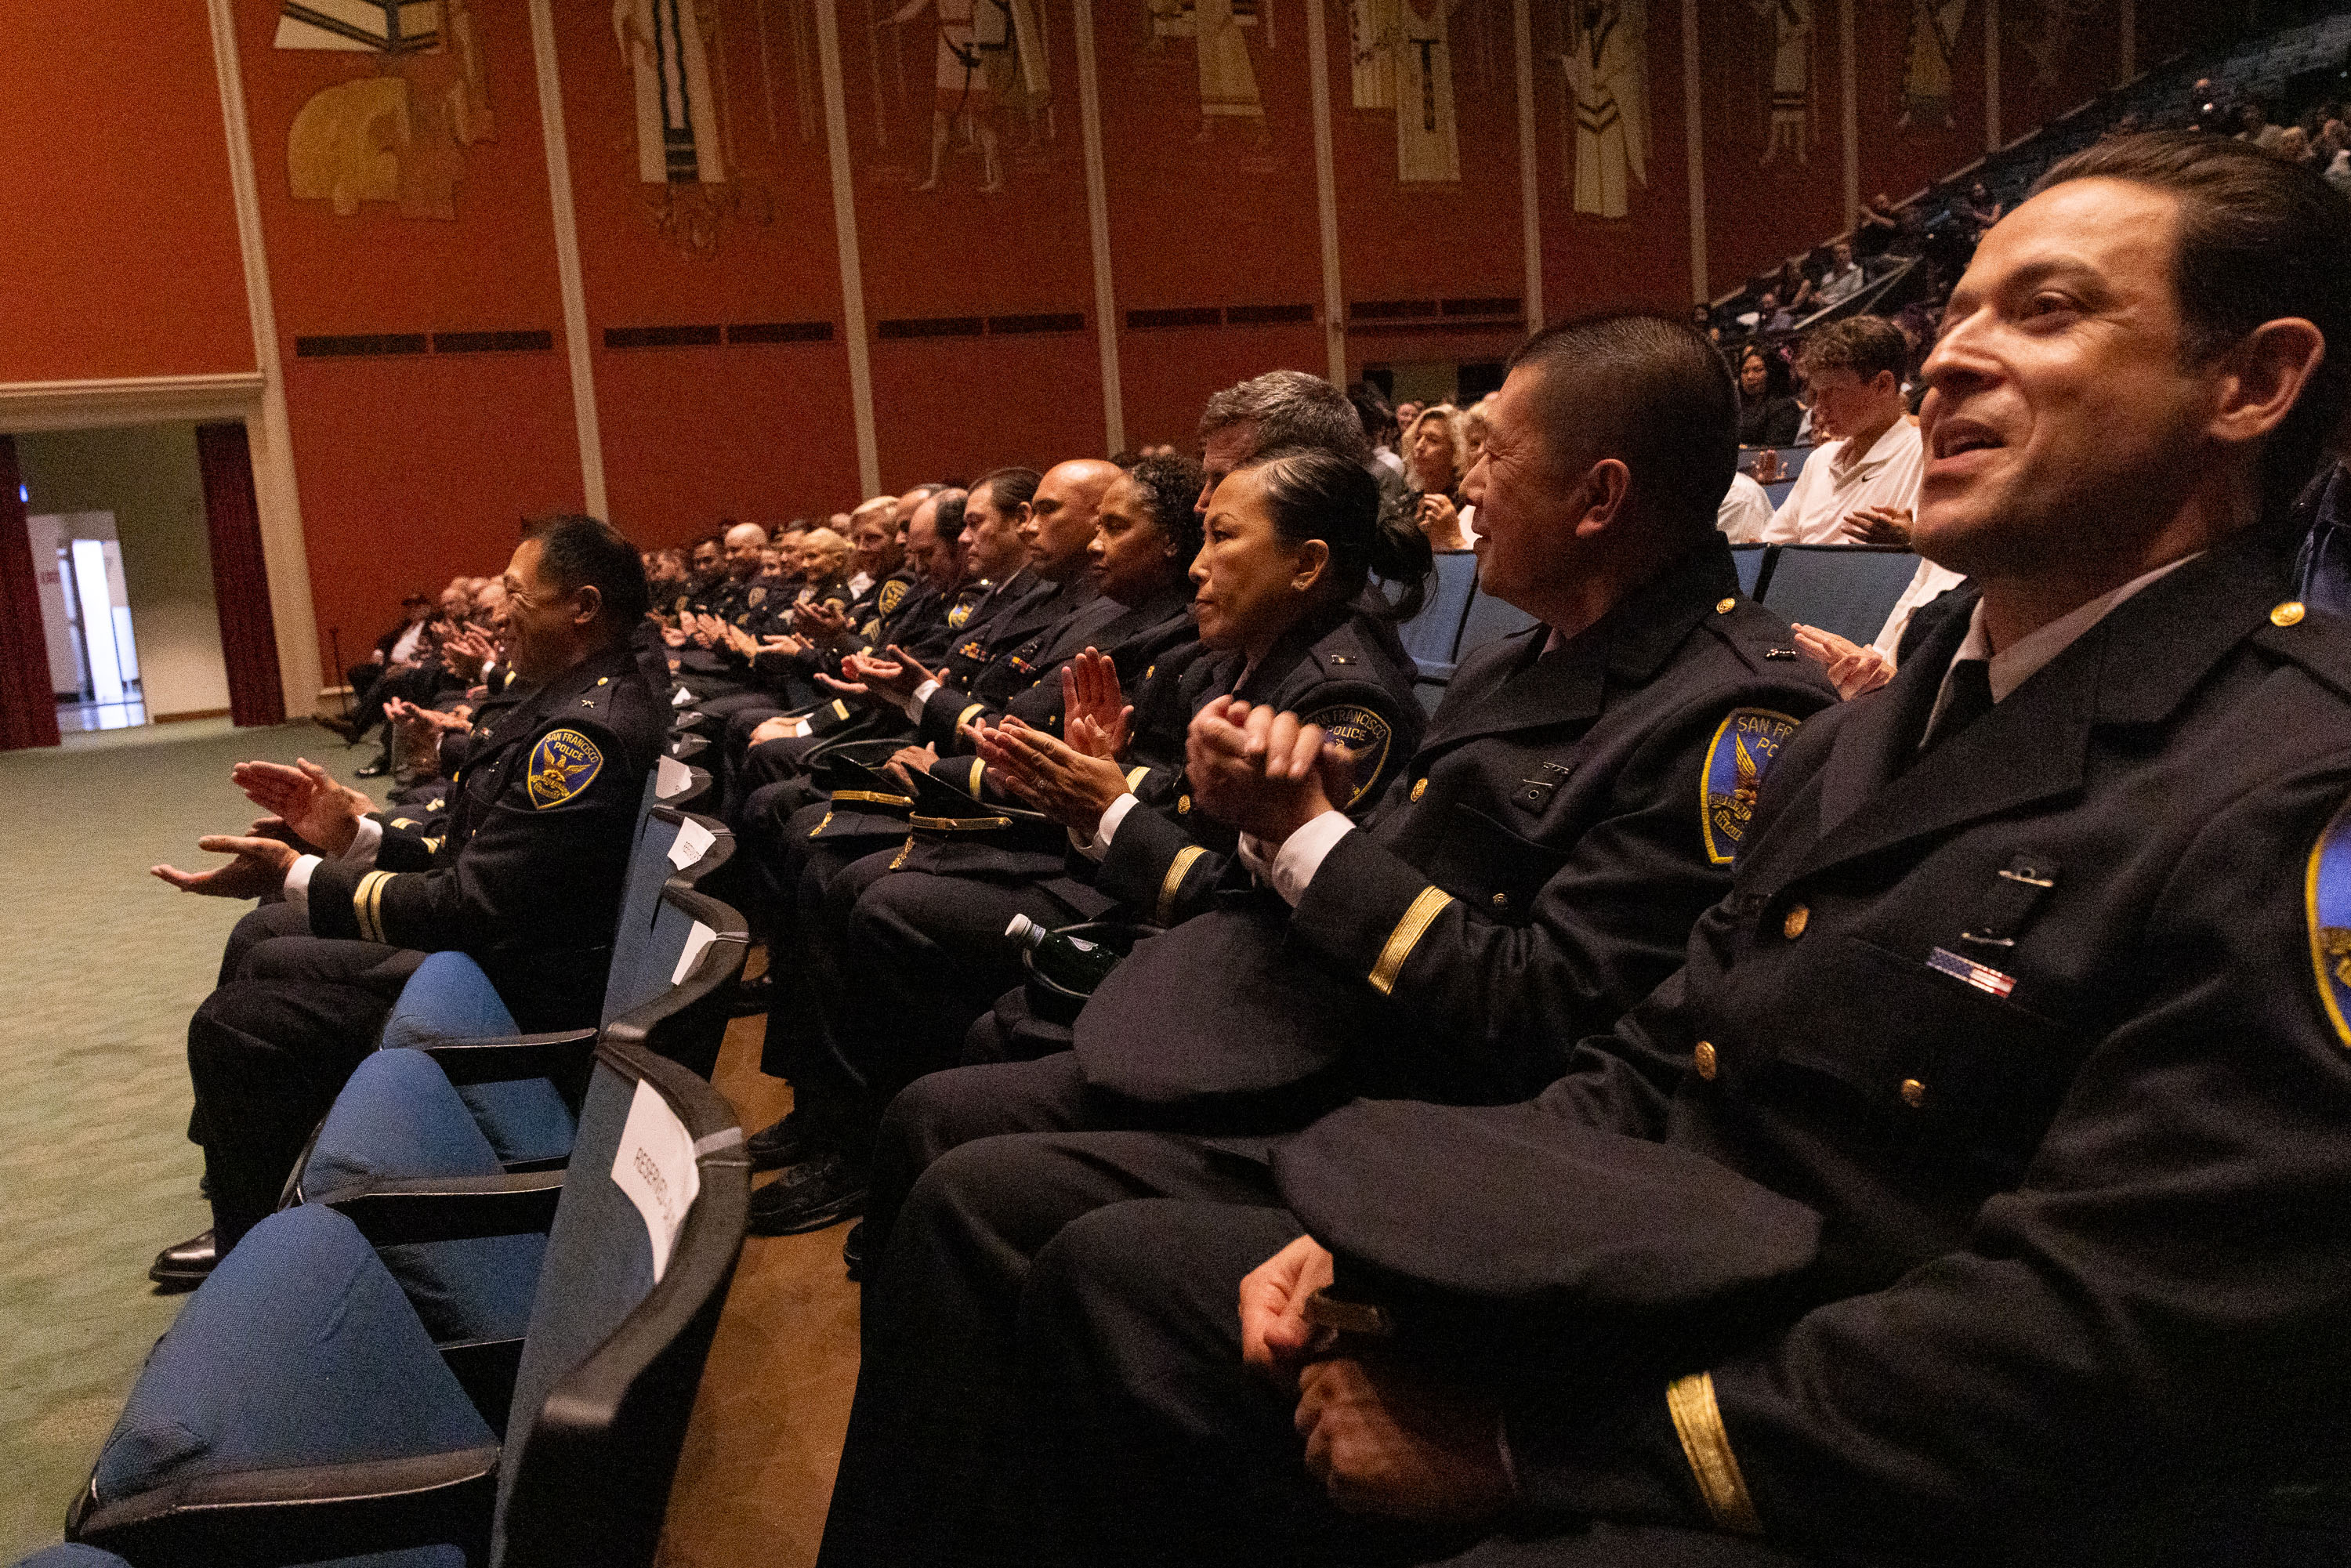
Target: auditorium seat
[
  {"x": 1431, "y": 636},
  {"x": 298, "y": 1410},
  {"x": 1489, "y": 620},
  {"x": 685, "y": 748},
  {"x": 1750, "y": 560},
  {"x": 1846, "y": 589}
]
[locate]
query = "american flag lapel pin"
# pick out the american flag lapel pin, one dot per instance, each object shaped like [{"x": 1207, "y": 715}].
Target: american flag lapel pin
[{"x": 1983, "y": 976}]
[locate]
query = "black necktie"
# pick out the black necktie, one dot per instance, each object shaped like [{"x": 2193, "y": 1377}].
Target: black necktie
[{"x": 1967, "y": 697}]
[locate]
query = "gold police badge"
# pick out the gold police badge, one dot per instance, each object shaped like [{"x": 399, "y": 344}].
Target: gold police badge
[{"x": 562, "y": 764}]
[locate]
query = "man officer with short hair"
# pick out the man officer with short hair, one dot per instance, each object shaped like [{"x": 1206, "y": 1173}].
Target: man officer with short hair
[{"x": 526, "y": 877}]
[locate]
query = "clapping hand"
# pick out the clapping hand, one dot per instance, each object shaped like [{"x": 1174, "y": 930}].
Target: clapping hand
[
  {"x": 259, "y": 868},
  {"x": 305, "y": 798},
  {"x": 1879, "y": 526},
  {"x": 1852, "y": 668},
  {"x": 910, "y": 760},
  {"x": 1096, "y": 717},
  {"x": 1267, "y": 773},
  {"x": 821, "y": 621},
  {"x": 1068, "y": 785}
]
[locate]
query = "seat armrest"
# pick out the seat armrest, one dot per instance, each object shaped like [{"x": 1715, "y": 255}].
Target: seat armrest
[
  {"x": 564, "y": 1056},
  {"x": 449, "y": 1208}
]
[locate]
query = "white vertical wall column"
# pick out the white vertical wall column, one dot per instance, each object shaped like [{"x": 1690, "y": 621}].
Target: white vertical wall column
[
  {"x": 567, "y": 260},
  {"x": 276, "y": 498},
  {"x": 853, "y": 271},
  {"x": 1848, "y": 94},
  {"x": 1522, "y": 32},
  {"x": 1098, "y": 227},
  {"x": 1326, "y": 194},
  {"x": 1991, "y": 76},
  {"x": 1693, "y": 153}
]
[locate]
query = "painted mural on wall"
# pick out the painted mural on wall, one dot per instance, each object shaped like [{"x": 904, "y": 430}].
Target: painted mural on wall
[
  {"x": 990, "y": 80},
  {"x": 1400, "y": 55},
  {"x": 397, "y": 133},
  {"x": 1219, "y": 31},
  {"x": 692, "y": 186},
  {"x": 1788, "y": 125},
  {"x": 2049, "y": 39},
  {"x": 1926, "y": 68},
  {"x": 1608, "y": 69}
]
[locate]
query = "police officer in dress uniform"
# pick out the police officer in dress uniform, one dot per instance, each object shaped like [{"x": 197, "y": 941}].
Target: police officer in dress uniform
[
  {"x": 523, "y": 871},
  {"x": 2030, "y": 993},
  {"x": 1293, "y": 539}
]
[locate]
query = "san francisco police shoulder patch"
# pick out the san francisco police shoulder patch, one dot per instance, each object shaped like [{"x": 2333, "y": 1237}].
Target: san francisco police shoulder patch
[
  {"x": 1362, "y": 732},
  {"x": 562, "y": 764},
  {"x": 893, "y": 590},
  {"x": 2327, "y": 900},
  {"x": 1744, "y": 747}
]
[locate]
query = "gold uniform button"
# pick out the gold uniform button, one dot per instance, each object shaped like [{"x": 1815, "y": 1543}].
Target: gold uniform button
[
  {"x": 1914, "y": 1094},
  {"x": 1792, "y": 927},
  {"x": 604, "y": 680},
  {"x": 1725, "y": 606},
  {"x": 1419, "y": 787},
  {"x": 1703, "y": 1060},
  {"x": 1501, "y": 901},
  {"x": 1183, "y": 804},
  {"x": 2290, "y": 613}
]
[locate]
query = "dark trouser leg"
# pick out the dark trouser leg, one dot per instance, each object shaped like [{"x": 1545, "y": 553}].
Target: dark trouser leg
[
  {"x": 265, "y": 921},
  {"x": 937, "y": 1394},
  {"x": 947, "y": 1110},
  {"x": 923, "y": 956},
  {"x": 1153, "y": 1444},
  {"x": 267, "y": 1057}
]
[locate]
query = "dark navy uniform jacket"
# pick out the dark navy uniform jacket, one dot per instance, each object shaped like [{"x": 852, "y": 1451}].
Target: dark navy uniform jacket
[
  {"x": 2048, "y": 1024},
  {"x": 1531, "y": 873},
  {"x": 524, "y": 876}
]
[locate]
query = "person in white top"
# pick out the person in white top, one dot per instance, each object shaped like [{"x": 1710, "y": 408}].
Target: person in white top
[
  {"x": 1843, "y": 279},
  {"x": 1870, "y": 463},
  {"x": 1745, "y": 512}
]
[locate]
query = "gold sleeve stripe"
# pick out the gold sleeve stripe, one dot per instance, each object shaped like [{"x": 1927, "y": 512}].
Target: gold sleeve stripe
[
  {"x": 1134, "y": 777},
  {"x": 1173, "y": 883},
  {"x": 839, "y": 708},
  {"x": 978, "y": 772},
  {"x": 965, "y": 717},
  {"x": 366, "y": 900},
  {"x": 1698, "y": 1421},
  {"x": 1406, "y": 936}
]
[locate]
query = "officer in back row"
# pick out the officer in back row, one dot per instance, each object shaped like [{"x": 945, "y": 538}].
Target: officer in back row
[
  {"x": 1986, "y": 1170},
  {"x": 1576, "y": 802},
  {"x": 522, "y": 871}
]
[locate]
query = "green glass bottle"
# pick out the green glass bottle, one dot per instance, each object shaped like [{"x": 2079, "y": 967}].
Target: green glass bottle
[{"x": 1072, "y": 963}]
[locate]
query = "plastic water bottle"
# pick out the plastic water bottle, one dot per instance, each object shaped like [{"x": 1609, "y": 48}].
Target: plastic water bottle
[{"x": 1070, "y": 962}]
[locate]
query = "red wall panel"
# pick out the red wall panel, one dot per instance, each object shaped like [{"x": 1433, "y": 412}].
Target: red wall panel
[{"x": 123, "y": 251}]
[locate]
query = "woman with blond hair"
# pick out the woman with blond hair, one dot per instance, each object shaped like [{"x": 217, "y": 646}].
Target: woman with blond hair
[{"x": 1436, "y": 460}]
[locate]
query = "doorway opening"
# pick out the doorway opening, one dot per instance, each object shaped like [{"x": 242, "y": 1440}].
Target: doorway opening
[{"x": 117, "y": 524}]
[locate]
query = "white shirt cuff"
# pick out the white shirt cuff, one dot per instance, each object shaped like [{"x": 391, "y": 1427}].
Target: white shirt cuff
[
  {"x": 1095, "y": 848},
  {"x": 298, "y": 882},
  {"x": 922, "y": 696},
  {"x": 1302, "y": 853},
  {"x": 364, "y": 844}
]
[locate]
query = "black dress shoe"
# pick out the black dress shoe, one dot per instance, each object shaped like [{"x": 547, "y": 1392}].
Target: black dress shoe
[
  {"x": 752, "y": 996},
  {"x": 852, "y": 1251},
  {"x": 808, "y": 1198},
  {"x": 184, "y": 1266},
  {"x": 788, "y": 1142},
  {"x": 375, "y": 769}
]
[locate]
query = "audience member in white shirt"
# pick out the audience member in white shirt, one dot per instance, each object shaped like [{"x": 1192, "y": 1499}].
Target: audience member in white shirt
[
  {"x": 1869, "y": 465},
  {"x": 1744, "y": 512},
  {"x": 1843, "y": 279}
]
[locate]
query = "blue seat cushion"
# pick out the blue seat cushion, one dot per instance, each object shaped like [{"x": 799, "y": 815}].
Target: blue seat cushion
[
  {"x": 300, "y": 1349},
  {"x": 447, "y": 999},
  {"x": 398, "y": 1118}
]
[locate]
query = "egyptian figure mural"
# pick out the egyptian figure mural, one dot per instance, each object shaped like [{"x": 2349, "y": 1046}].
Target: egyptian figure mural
[
  {"x": 1927, "y": 73},
  {"x": 1607, "y": 67},
  {"x": 684, "y": 137},
  {"x": 1788, "y": 128},
  {"x": 398, "y": 133},
  {"x": 1219, "y": 30},
  {"x": 990, "y": 58}
]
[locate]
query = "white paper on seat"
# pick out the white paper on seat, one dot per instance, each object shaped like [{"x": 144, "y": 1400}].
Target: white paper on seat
[
  {"x": 693, "y": 838},
  {"x": 698, "y": 938},
  {"x": 655, "y": 1168},
  {"x": 674, "y": 777}
]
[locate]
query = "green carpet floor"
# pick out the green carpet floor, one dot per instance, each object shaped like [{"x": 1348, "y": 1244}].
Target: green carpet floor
[{"x": 100, "y": 966}]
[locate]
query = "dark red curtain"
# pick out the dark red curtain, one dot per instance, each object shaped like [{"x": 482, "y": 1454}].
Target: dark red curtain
[
  {"x": 29, "y": 709},
  {"x": 240, "y": 581}
]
